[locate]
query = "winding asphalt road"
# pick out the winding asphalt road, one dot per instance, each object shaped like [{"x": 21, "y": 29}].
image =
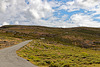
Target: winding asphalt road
[{"x": 9, "y": 58}]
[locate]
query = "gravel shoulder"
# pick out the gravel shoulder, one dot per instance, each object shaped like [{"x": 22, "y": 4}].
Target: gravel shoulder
[{"x": 9, "y": 58}]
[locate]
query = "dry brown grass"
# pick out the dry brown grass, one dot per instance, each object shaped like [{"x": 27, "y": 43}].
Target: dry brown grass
[{"x": 8, "y": 41}]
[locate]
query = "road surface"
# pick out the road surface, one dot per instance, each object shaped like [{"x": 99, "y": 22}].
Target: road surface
[{"x": 9, "y": 58}]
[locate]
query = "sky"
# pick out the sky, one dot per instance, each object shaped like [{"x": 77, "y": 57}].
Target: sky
[{"x": 51, "y": 13}]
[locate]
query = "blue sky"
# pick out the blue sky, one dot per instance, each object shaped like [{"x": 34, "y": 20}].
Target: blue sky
[{"x": 52, "y": 13}]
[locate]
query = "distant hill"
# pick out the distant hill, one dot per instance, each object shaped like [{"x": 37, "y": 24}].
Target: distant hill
[{"x": 79, "y": 36}]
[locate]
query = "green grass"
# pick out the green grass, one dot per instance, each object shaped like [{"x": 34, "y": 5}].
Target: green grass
[
  {"x": 6, "y": 41},
  {"x": 80, "y": 36},
  {"x": 61, "y": 47},
  {"x": 42, "y": 53}
]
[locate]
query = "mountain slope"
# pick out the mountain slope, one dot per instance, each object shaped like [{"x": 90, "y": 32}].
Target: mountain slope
[
  {"x": 79, "y": 36},
  {"x": 57, "y": 47},
  {"x": 9, "y": 58}
]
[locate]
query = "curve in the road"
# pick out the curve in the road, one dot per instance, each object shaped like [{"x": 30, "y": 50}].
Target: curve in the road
[{"x": 9, "y": 58}]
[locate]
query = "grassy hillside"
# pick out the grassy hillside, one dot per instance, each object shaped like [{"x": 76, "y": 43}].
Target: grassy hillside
[
  {"x": 57, "y": 47},
  {"x": 80, "y": 36},
  {"x": 6, "y": 41},
  {"x": 44, "y": 54}
]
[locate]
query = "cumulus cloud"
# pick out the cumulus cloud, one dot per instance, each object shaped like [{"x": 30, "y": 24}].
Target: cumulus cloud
[
  {"x": 97, "y": 17},
  {"x": 84, "y": 20},
  {"x": 3, "y": 6},
  {"x": 5, "y": 23},
  {"x": 19, "y": 10},
  {"x": 90, "y": 5},
  {"x": 41, "y": 12},
  {"x": 16, "y": 23}
]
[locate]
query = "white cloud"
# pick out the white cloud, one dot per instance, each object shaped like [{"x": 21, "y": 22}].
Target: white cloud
[
  {"x": 84, "y": 20},
  {"x": 3, "y": 6},
  {"x": 16, "y": 23},
  {"x": 87, "y": 3},
  {"x": 5, "y": 23},
  {"x": 90, "y": 5},
  {"x": 34, "y": 14},
  {"x": 97, "y": 17},
  {"x": 18, "y": 12}
]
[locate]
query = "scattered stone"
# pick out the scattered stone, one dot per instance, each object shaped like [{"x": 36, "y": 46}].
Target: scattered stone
[{"x": 42, "y": 38}]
